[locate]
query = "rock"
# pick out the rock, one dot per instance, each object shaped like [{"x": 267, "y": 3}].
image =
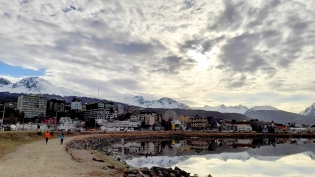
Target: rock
[
  {"x": 209, "y": 175},
  {"x": 111, "y": 166},
  {"x": 144, "y": 170},
  {"x": 172, "y": 175},
  {"x": 97, "y": 160}
]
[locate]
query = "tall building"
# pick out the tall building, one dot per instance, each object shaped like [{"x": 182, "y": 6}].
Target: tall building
[
  {"x": 55, "y": 105},
  {"x": 32, "y": 105},
  {"x": 100, "y": 110},
  {"x": 76, "y": 104}
]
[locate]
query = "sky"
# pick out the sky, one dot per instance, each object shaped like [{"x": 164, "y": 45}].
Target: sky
[{"x": 204, "y": 52}]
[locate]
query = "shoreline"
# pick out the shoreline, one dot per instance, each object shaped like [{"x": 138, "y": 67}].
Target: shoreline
[
  {"x": 97, "y": 143},
  {"x": 22, "y": 151}
]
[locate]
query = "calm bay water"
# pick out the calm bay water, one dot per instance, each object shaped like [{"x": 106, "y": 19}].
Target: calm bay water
[{"x": 224, "y": 157}]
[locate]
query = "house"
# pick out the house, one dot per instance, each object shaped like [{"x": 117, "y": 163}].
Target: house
[
  {"x": 183, "y": 119},
  {"x": 197, "y": 122},
  {"x": 227, "y": 126},
  {"x": 176, "y": 125},
  {"x": 65, "y": 120},
  {"x": 281, "y": 128},
  {"x": 243, "y": 126},
  {"x": 149, "y": 118}
]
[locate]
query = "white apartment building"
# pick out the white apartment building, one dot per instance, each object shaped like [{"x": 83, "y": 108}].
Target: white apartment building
[
  {"x": 32, "y": 105},
  {"x": 65, "y": 120},
  {"x": 243, "y": 127},
  {"x": 120, "y": 109},
  {"x": 76, "y": 104},
  {"x": 134, "y": 118}
]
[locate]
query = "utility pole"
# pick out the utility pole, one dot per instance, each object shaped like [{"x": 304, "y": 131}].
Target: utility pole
[
  {"x": 3, "y": 113},
  {"x": 58, "y": 107}
]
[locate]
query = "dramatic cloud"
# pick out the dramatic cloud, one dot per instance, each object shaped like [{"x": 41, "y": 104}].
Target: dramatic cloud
[{"x": 183, "y": 49}]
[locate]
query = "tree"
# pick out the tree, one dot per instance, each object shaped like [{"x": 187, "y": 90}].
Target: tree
[
  {"x": 111, "y": 110},
  {"x": 153, "y": 127},
  {"x": 142, "y": 124},
  {"x": 163, "y": 123},
  {"x": 127, "y": 116}
]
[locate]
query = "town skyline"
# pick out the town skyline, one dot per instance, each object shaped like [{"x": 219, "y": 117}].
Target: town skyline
[{"x": 195, "y": 52}]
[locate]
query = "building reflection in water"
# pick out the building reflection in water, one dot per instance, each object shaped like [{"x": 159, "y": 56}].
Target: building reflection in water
[{"x": 130, "y": 149}]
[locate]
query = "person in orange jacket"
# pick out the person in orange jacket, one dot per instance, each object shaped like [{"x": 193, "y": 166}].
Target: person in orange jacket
[{"x": 47, "y": 135}]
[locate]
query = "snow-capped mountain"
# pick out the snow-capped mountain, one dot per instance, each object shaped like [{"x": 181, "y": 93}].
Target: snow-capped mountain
[
  {"x": 262, "y": 108},
  {"x": 161, "y": 103},
  {"x": 36, "y": 85},
  {"x": 4, "y": 82},
  {"x": 309, "y": 111},
  {"x": 225, "y": 109}
]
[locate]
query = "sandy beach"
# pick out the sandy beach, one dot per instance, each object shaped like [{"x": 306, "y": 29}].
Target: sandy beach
[{"x": 36, "y": 159}]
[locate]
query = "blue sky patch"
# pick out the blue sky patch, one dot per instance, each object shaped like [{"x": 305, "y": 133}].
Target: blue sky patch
[{"x": 18, "y": 71}]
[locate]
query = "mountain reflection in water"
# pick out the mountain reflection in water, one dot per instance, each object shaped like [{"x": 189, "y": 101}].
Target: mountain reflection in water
[{"x": 224, "y": 157}]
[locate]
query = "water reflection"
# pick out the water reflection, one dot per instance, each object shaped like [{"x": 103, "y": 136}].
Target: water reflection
[{"x": 224, "y": 157}]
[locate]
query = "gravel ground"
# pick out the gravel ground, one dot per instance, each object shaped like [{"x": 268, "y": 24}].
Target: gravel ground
[{"x": 37, "y": 159}]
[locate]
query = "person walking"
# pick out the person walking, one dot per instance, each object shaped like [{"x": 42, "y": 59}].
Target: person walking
[
  {"x": 62, "y": 137},
  {"x": 47, "y": 135}
]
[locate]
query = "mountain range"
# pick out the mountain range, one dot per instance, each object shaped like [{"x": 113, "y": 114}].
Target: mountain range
[
  {"x": 224, "y": 109},
  {"x": 161, "y": 103}
]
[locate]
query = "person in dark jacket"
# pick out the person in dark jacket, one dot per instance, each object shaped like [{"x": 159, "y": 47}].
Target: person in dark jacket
[{"x": 62, "y": 137}]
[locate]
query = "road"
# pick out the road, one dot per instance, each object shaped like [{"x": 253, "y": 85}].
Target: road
[{"x": 37, "y": 159}]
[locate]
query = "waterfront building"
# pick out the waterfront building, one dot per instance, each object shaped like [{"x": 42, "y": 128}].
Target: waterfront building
[
  {"x": 183, "y": 119},
  {"x": 198, "y": 122}
]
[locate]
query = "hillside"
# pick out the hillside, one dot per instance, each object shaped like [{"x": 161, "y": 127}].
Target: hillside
[
  {"x": 280, "y": 116},
  {"x": 203, "y": 113}
]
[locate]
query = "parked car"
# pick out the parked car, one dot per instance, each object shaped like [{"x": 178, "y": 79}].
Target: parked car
[{"x": 6, "y": 128}]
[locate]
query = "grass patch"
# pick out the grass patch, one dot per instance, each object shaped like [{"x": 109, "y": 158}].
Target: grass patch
[{"x": 10, "y": 141}]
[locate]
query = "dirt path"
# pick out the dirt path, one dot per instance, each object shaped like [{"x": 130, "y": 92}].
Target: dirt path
[{"x": 40, "y": 160}]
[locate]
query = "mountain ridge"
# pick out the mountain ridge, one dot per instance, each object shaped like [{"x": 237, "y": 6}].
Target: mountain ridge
[
  {"x": 160, "y": 103},
  {"x": 36, "y": 85},
  {"x": 309, "y": 111},
  {"x": 240, "y": 109}
]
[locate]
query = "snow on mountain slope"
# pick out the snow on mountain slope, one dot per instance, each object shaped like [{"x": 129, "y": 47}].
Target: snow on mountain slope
[
  {"x": 4, "y": 82},
  {"x": 262, "y": 108},
  {"x": 36, "y": 85},
  {"x": 161, "y": 103},
  {"x": 309, "y": 111},
  {"x": 225, "y": 109}
]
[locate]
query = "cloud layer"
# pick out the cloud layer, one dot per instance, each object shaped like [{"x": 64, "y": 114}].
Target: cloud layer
[{"x": 192, "y": 51}]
